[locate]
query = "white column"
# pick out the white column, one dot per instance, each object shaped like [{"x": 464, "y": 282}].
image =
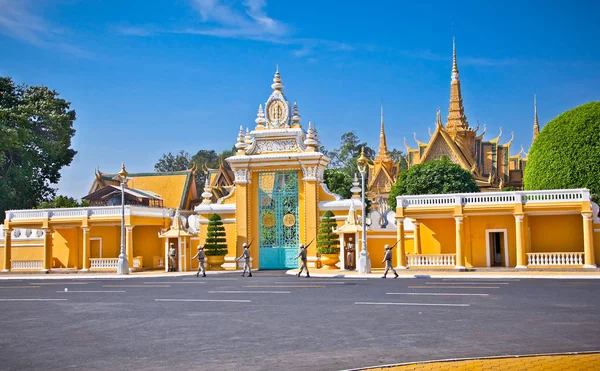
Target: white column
[{"x": 520, "y": 229}]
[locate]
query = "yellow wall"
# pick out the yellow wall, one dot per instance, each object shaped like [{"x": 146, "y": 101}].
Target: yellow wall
[
  {"x": 147, "y": 244},
  {"x": 111, "y": 239},
  {"x": 20, "y": 252},
  {"x": 556, "y": 233},
  {"x": 475, "y": 240},
  {"x": 376, "y": 248},
  {"x": 65, "y": 248},
  {"x": 437, "y": 236}
]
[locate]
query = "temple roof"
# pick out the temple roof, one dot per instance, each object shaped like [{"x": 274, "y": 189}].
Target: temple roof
[{"x": 177, "y": 188}]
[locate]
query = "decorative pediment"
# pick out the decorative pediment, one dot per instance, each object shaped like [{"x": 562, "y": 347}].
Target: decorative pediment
[{"x": 442, "y": 145}]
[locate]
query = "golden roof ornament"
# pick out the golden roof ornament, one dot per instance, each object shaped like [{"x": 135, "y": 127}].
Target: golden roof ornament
[
  {"x": 311, "y": 142},
  {"x": 241, "y": 142},
  {"x": 248, "y": 138},
  {"x": 207, "y": 194},
  {"x": 260, "y": 118},
  {"x": 355, "y": 189},
  {"x": 454, "y": 64}
]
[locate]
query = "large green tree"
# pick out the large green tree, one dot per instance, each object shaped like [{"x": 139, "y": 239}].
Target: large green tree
[
  {"x": 173, "y": 162},
  {"x": 61, "y": 202},
  {"x": 433, "y": 177},
  {"x": 202, "y": 159},
  {"x": 36, "y": 127},
  {"x": 338, "y": 182},
  {"x": 566, "y": 153}
]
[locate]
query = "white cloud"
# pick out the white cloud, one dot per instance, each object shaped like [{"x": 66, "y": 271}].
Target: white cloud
[{"x": 19, "y": 20}]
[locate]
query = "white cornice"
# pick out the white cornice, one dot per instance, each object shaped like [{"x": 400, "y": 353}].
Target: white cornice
[{"x": 215, "y": 209}]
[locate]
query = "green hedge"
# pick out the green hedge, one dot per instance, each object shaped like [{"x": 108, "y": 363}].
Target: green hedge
[
  {"x": 566, "y": 153},
  {"x": 327, "y": 241},
  {"x": 216, "y": 243}
]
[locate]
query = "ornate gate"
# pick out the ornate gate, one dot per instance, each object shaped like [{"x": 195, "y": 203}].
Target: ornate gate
[{"x": 278, "y": 219}]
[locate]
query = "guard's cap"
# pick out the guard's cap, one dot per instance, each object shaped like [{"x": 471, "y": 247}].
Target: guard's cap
[
  {"x": 301, "y": 245},
  {"x": 244, "y": 245}
]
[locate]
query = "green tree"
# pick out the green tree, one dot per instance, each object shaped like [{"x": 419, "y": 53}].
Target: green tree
[
  {"x": 433, "y": 177},
  {"x": 61, "y": 202},
  {"x": 327, "y": 241},
  {"x": 346, "y": 155},
  {"x": 216, "y": 243},
  {"x": 400, "y": 158},
  {"x": 566, "y": 153},
  {"x": 36, "y": 127},
  {"x": 170, "y": 162},
  {"x": 338, "y": 182}
]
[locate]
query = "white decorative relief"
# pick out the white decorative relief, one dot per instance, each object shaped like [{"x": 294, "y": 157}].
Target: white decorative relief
[
  {"x": 242, "y": 176},
  {"x": 310, "y": 172},
  {"x": 279, "y": 145}
]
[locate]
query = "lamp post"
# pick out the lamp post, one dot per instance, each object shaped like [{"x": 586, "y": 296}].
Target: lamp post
[
  {"x": 364, "y": 265},
  {"x": 123, "y": 264}
]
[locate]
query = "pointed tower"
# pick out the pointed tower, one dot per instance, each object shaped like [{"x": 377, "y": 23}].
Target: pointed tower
[
  {"x": 456, "y": 113},
  {"x": 536, "y": 124},
  {"x": 383, "y": 154}
]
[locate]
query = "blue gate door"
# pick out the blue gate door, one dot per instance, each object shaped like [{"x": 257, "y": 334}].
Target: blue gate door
[{"x": 278, "y": 219}]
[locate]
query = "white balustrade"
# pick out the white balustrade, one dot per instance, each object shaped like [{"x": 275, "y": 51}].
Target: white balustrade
[
  {"x": 555, "y": 258},
  {"x": 104, "y": 263},
  {"x": 26, "y": 264},
  {"x": 431, "y": 260},
  {"x": 487, "y": 198},
  {"x": 68, "y": 213}
]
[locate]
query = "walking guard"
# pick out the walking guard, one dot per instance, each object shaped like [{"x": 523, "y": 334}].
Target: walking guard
[
  {"x": 246, "y": 256},
  {"x": 200, "y": 256},
  {"x": 387, "y": 259},
  {"x": 302, "y": 256}
]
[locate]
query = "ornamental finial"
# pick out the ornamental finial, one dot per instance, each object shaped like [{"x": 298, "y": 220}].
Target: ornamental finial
[
  {"x": 260, "y": 117},
  {"x": 277, "y": 85},
  {"x": 296, "y": 117},
  {"x": 241, "y": 142}
]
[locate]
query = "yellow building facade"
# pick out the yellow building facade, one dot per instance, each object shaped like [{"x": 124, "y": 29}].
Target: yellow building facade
[{"x": 276, "y": 202}]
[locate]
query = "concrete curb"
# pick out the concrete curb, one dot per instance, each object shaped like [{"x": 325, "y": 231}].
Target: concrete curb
[
  {"x": 472, "y": 359},
  {"x": 108, "y": 276},
  {"x": 462, "y": 275}
]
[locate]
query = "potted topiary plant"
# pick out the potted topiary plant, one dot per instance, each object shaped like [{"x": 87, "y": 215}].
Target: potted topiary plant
[
  {"x": 327, "y": 241},
  {"x": 216, "y": 244}
]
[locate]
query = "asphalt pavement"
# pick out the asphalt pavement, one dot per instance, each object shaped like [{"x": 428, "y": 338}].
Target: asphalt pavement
[{"x": 274, "y": 321}]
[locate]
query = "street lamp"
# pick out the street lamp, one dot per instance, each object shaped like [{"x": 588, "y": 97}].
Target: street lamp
[
  {"x": 364, "y": 265},
  {"x": 123, "y": 264}
]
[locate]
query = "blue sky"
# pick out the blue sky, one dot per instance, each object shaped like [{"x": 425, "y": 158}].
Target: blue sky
[{"x": 149, "y": 77}]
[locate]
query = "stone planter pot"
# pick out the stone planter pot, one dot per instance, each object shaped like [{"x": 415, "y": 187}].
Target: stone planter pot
[
  {"x": 214, "y": 262},
  {"x": 329, "y": 261}
]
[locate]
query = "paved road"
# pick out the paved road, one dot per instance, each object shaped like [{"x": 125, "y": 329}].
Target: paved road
[{"x": 272, "y": 321}]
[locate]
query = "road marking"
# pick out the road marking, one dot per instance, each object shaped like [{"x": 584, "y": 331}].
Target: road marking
[
  {"x": 70, "y": 291},
  {"x": 489, "y": 279},
  {"x": 311, "y": 281},
  {"x": 249, "y": 292},
  {"x": 33, "y": 299},
  {"x": 467, "y": 283},
  {"x": 118, "y": 286},
  {"x": 19, "y": 287},
  {"x": 289, "y": 286},
  {"x": 168, "y": 283},
  {"x": 415, "y": 304},
  {"x": 453, "y": 287},
  {"x": 206, "y": 300},
  {"x": 211, "y": 279},
  {"x": 433, "y": 294},
  {"x": 60, "y": 283}
]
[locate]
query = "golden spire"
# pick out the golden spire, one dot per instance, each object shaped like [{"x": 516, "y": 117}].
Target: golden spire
[
  {"x": 536, "y": 125},
  {"x": 454, "y": 65},
  {"x": 456, "y": 113},
  {"x": 382, "y": 154}
]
